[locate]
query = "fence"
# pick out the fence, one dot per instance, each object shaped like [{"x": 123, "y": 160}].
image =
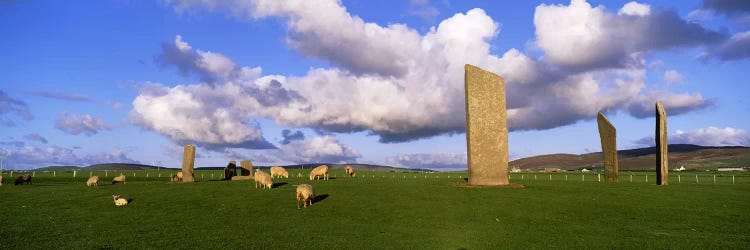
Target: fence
[{"x": 207, "y": 175}]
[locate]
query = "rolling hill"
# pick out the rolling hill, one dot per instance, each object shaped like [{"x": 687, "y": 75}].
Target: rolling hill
[{"x": 692, "y": 157}]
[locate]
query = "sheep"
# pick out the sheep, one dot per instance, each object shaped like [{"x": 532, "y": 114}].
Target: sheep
[
  {"x": 120, "y": 178},
  {"x": 263, "y": 179},
  {"x": 119, "y": 201},
  {"x": 321, "y": 170},
  {"x": 350, "y": 171},
  {"x": 305, "y": 194},
  {"x": 1, "y": 180},
  {"x": 177, "y": 177},
  {"x": 93, "y": 181},
  {"x": 279, "y": 171},
  {"x": 23, "y": 179}
]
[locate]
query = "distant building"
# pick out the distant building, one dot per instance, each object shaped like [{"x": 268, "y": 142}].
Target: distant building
[
  {"x": 552, "y": 170},
  {"x": 681, "y": 168},
  {"x": 730, "y": 169},
  {"x": 585, "y": 170},
  {"x": 515, "y": 170}
]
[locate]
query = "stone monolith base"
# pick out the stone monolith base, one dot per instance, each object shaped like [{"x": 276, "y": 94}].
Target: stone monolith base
[
  {"x": 662, "y": 164},
  {"x": 486, "y": 127},
  {"x": 608, "y": 136},
  {"x": 247, "y": 168}
]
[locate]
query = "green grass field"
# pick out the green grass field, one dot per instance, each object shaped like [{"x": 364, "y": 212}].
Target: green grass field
[{"x": 387, "y": 211}]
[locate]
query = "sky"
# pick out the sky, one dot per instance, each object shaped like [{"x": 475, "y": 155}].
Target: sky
[{"x": 374, "y": 82}]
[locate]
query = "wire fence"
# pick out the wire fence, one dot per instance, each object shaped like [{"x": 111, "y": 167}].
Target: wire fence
[{"x": 208, "y": 175}]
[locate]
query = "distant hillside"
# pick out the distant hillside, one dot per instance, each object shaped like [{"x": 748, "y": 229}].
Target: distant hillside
[
  {"x": 58, "y": 168},
  {"x": 119, "y": 166},
  {"x": 687, "y": 155}
]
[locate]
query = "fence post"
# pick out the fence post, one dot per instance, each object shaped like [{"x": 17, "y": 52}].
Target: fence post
[
  {"x": 696, "y": 179},
  {"x": 146, "y": 175},
  {"x": 566, "y": 177},
  {"x": 646, "y": 177},
  {"x": 732, "y": 179},
  {"x": 521, "y": 177},
  {"x": 90, "y": 174},
  {"x": 201, "y": 176},
  {"x": 534, "y": 177},
  {"x": 631, "y": 177},
  {"x": 54, "y": 173},
  {"x": 550, "y": 177},
  {"x": 74, "y": 173},
  {"x": 583, "y": 177},
  {"x": 133, "y": 173},
  {"x": 679, "y": 179},
  {"x": 714, "y": 179},
  {"x": 599, "y": 177},
  {"x": 106, "y": 173}
]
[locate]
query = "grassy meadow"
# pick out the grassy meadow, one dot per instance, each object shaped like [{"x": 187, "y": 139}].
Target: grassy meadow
[{"x": 377, "y": 210}]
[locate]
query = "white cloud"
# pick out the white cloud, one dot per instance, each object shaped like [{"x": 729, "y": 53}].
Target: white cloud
[
  {"x": 672, "y": 76},
  {"x": 674, "y": 104},
  {"x": 36, "y": 137},
  {"x": 735, "y": 48},
  {"x": 25, "y": 157},
  {"x": 582, "y": 37},
  {"x": 451, "y": 161},
  {"x": 392, "y": 81},
  {"x": 635, "y": 9},
  {"x": 77, "y": 124},
  {"x": 321, "y": 149},
  {"x": 710, "y": 136},
  {"x": 60, "y": 95}
]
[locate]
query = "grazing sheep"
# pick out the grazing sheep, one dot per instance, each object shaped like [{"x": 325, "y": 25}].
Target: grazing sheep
[
  {"x": 120, "y": 179},
  {"x": 263, "y": 179},
  {"x": 93, "y": 181},
  {"x": 350, "y": 171},
  {"x": 321, "y": 170},
  {"x": 305, "y": 194},
  {"x": 1, "y": 180},
  {"x": 23, "y": 179},
  {"x": 177, "y": 177},
  {"x": 119, "y": 201},
  {"x": 279, "y": 171}
]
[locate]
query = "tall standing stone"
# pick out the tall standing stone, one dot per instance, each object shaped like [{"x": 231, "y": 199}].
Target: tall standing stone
[
  {"x": 662, "y": 164},
  {"x": 247, "y": 168},
  {"x": 188, "y": 162},
  {"x": 608, "y": 136},
  {"x": 486, "y": 127}
]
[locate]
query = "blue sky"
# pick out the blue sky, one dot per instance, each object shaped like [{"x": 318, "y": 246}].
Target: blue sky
[{"x": 281, "y": 82}]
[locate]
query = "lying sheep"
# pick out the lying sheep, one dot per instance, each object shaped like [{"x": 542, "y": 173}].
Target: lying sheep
[
  {"x": 93, "y": 181},
  {"x": 321, "y": 170},
  {"x": 279, "y": 171},
  {"x": 263, "y": 179},
  {"x": 350, "y": 171},
  {"x": 120, "y": 179},
  {"x": 23, "y": 179},
  {"x": 119, "y": 201},
  {"x": 305, "y": 194},
  {"x": 177, "y": 177}
]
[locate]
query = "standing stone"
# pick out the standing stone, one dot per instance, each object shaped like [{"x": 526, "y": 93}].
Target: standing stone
[
  {"x": 608, "y": 136},
  {"x": 230, "y": 170},
  {"x": 188, "y": 162},
  {"x": 662, "y": 166},
  {"x": 486, "y": 127},
  {"x": 247, "y": 168}
]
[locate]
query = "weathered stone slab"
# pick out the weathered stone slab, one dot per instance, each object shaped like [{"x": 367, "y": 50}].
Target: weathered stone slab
[
  {"x": 662, "y": 161},
  {"x": 188, "y": 162},
  {"x": 608, "y": 136},
  {"x": 247, "y": 168},
  {"x": 241, "y": 178},
  {"x": 230, "y": 170},
  {"x": 486, "y": 127}
]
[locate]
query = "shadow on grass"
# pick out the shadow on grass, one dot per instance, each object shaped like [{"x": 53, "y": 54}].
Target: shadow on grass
[
  {"x": 319, "y": 198},
  {"x": 279, "y": 184}
]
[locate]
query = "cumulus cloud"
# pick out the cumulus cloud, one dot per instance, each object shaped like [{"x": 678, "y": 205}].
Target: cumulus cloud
[
  {"x": 25, "y": 157},
  {"x": 674, "y": 104},
  {"x": 60, "y": 95},
  {"x": 10, "y": 106},
  {"x": 289, "y": 136},
  {"x": 322, "y": 149},
  {"x": 710, "y": 136},
  {"x": 738, "y": 10},
  {"x": 80, "y": 124},
  {"x": 401, "y": 85},
  {"x": 36, "y": 137},
  {"x": 672, "y": 76},
  {"x": 608, "y": 39},
  {"x": 430, "y": 161}
]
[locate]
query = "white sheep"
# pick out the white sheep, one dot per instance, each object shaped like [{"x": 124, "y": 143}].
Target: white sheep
[
  {"x": 321, "y": 170},
  {"x": 305, "y": 194},
  {"x": 1, "y": 180},
  {"x": 263, "y": 179},
  {"x": 279, "y": 171},
  {"x": 93, "y": 181},
  {"x": 119, "y": 201},
  {"x": 177, "y": 177},
  {"x": 350, "y": 171},
  {"x": 120, "y": 178}
]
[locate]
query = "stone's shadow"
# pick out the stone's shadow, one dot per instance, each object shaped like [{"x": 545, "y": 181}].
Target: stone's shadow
[
  {"x": 466, "y": 179},
  {"x": 466, "y": 185},
  {"x": 319, "y": 198},
  {"x": 279, "y": 184},
  {"x": 130, "y": 200}
]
